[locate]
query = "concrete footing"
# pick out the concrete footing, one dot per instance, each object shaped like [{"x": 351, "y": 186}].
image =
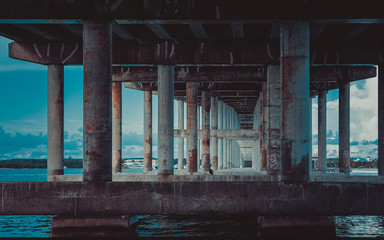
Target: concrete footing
[
  {"x": 73, "y": 227},
  {"x": 295, "y": 227}
]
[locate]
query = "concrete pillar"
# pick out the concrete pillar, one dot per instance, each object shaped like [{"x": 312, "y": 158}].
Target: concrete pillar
[
  {"x": 180, "y": 162},
  {"x": 192, "y": 127},
  {"x": 273, "y": 108},
  {"x": 225, "y": 118},
  {"x": 97, "y": 62},
  {"x": 205, "y": 105},
  {"x": 198, "y": 140},
  {"x": 380, "y": 80},
  {"x": 256, "y": 151},
  {"x": 165, "y": 119},
  {"x": 147, "y": 131},
  {"x": 295, "y": 130},
  {"x": 55, "y": 121},
  {"x": 264, "y": 126},
  {"x": 220, "y": 140},
  {"x": 322, "y": 131},
  {"x": 344, "y": 128},
  {"x": 116, "y": 127},
  {"x": 214, "y": 134}
]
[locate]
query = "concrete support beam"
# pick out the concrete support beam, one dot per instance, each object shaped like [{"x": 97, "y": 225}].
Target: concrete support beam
[
  {"x": 116, "y": 127},
  {"x": 213, "y": 142},
  {"x": 206, "y": 105},
  {"x": 180, "y": 145},
  {"x": 192, "y": 159},
  {"x": 257, "y": 125},
  {"x": 380, "y": 134},
  {"x": 264, "y": 126},
  {"x": 55, "y": 121},
  {"x": 273, "y": 131},
  {"x": 322, "y": 131},
  {"x": 198, "y": 139},
  {"x": 295, "y": 102},
  {"x": 97, "y": 62},
  {"x": 165, "y": 119},
  {"x": 147, "y": 131},
  {"x": 219, "y": 139},
  {"x": 225, "y": 119},
  {"x": 344, "y": 128}
]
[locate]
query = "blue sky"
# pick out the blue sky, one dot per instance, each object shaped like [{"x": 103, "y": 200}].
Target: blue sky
[{"x": 23, "y": 118}]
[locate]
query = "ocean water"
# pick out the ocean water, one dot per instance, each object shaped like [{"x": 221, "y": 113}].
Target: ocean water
[{"x": 203, "y": 227}]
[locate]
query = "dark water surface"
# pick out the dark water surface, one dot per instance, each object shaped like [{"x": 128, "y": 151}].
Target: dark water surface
[{"x": 202, "y": 227}]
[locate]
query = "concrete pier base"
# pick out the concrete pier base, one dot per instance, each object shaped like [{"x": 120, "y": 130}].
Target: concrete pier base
[
  {"x": 295, "y": 227},
  {"x": 73, "y": 227}
]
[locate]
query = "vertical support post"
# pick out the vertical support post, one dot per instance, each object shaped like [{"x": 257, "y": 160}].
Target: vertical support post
[
  {"x": 180, "y": 162},
  {"x": 380, "y": 80},
  {"x": 256, "y": 154},
  {"x": 225, "y": 118},
  {"x": 214, "y": 133},
  {"x": 219, "y": 139},
  {"x": 205, "y": 105},
  {"x": 273, "y": 108},
  {"x": 295, "y": 130},
  {"x": 192, "y": 160},
  {"x": 264, "y": 135},
  {"x": 344, "y": 128},
  {"x": 322, "y": 130},
  {"x": 55, "y": 121},
  {"x": 147, "y": 131},
  {"x": 116, "y": 127},
  {"x": 198, "y": 139},
  {"x": 97, "y": 62},
  {"x": 165, "y": 119}
]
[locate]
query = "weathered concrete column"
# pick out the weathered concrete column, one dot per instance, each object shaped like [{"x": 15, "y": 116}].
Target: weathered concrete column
[
  {"x": 256, "y": 163},
  {"x": 165, "y": 119},
  {"x": 180, "y": 162},
  {"x": 192, "y": 160},
  {"x": 147, "y": 131},
  {"x": 344, "y": 128},
  {"x": 97, "y": 62},
  {"x": 55, "y": 121},
  {"x": 295, "y": 130},
  {"x": 198, "y": 140},
  {"x": 206, "y": 105},
  {"x": 380, "y": 80},
  {"x": 213, "y": 142},
  {"x": 264, "y": 128},
  {"x": 225, "y": 118},
  {"x": 273, "y": 108},
  {"x": 116, "y": 127},
  {"x": 219, "y": 139},
  {"x": 322, "y": 131}
]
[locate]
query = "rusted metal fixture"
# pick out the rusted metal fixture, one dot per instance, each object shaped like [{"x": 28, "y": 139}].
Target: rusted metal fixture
[
  {"x": 116, "y": 127},
  {"x": 219, "y": 139},
  {"x": 322, "y": 131},
  {"x": 97, "y": 62},
  {"x": 180, "y": 151},
  {"x": 344, "y": 127},
  {"x": 380, "y": 163},
  {"x": 213, "y": 133},
  {"x": 205, "y": 103},
  {"x": 147, "y": 131},
  {"x": 165, "y": 119},
  {"x": 273, "y": 108},
  {"x": 55, "y": 121},
  {"x": 192, "y": 127},
  {"x": 295, "y": 104}
]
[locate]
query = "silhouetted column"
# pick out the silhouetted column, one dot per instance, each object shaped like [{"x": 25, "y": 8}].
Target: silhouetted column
[
  {"x": 295, "y": 126},
  {"x": 205, "y": 105},
  {"x": 322, "y": 131},
  {"x": 214, "y": 133},
  {"x": 55, "y": 121},
  {"x": 165, "y": 119},
  {"x": 147, "y": 131},
  {"x": 116, "y": 127},
  {"x": 192, "y": 160},
  {"x": 380, "y": 80},
  {"x": 97, "y": 62},
  {"x": 344, "y": 128},
  {"x": 180, "y": 162},
  {"x": 225, "y": 118},
  {"x": 264, "y": 128},
  {"x": 219, "y": 139}
]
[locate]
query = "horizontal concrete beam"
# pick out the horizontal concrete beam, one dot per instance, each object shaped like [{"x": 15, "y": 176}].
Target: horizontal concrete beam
[
  {"x": 126, "y": 198},
  {"x": 222, "y": 133}
]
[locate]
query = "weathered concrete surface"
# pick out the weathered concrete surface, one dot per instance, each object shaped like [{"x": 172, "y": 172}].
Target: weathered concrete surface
[
  {"x": 344, "y": 128},
  {"x": 219, "y": 139},
  {"x": 235, "y": 134},
  {"x": 205, "y": 123},
  {"x": 116, "y": 127},
  {"x": 55, "y": 121},
  {"x": 164, "y": 197},
  {"x": 180, "y": 144},
  {"x": 322, "y": 131},
  {"x": 214, "y": 120},
  {"x": 147, "y": 131},
  {"x": 192, "y": 159}
]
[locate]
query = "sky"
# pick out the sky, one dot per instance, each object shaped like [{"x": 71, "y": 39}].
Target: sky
[{"x": 23, "y": 114}]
